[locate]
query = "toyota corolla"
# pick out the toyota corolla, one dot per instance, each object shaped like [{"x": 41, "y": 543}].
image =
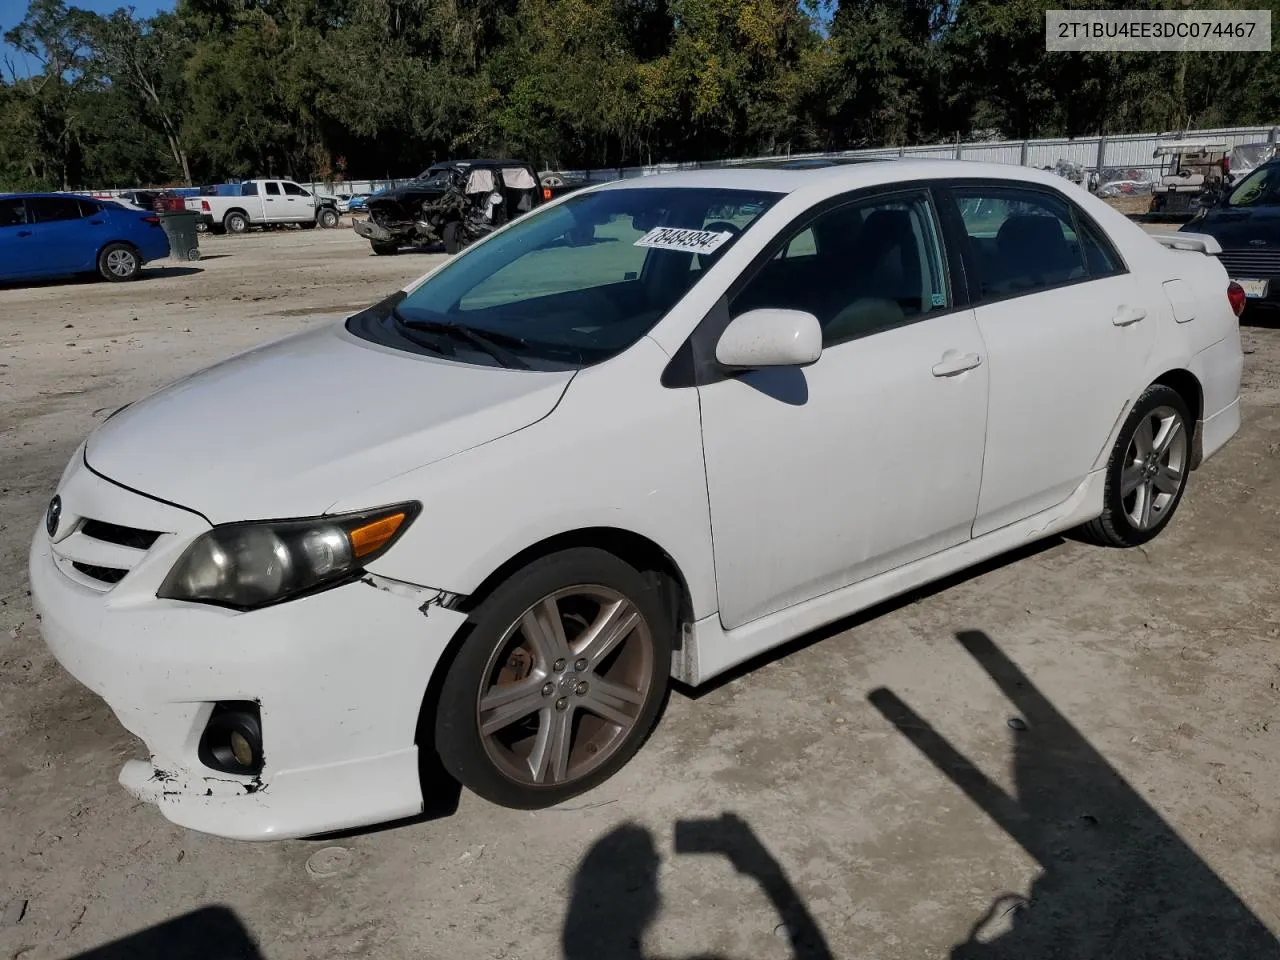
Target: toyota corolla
[{"x": 648, "y": 431}]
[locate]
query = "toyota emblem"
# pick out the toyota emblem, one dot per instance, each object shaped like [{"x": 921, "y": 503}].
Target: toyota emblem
[{"x": 52, "y": 515}]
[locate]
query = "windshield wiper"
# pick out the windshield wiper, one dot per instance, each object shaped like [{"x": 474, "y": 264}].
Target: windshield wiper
[{"x": 486, "y": 342}]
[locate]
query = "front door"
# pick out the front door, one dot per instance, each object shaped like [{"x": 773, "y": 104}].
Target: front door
[
  {"x": 18, "y": 254},
  {"x": 822, "y": 476},
  {"x": 1068, "y": 333},
  {"x": 299, "y": 204}
]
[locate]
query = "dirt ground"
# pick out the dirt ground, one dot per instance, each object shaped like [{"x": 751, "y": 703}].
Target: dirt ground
[{"x": 1074, "y": 752}]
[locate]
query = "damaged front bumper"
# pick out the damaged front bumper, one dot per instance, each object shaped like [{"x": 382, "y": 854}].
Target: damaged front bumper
[
  {"x": 339, "y": 676},
  {"x": 373, "y": 232}
]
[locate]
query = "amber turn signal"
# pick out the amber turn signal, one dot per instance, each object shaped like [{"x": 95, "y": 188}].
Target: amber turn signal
[{"x": 372, "y": 536}]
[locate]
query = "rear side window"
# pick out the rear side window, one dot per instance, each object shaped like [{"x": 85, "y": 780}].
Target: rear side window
[
  {"x": 859, "y": 268},
  {"x": 1022, "y": 240},
  {"x": 273, "y": 188},
  {"x": 50, "y": 209},
  {"x": 13, "y": 212}
]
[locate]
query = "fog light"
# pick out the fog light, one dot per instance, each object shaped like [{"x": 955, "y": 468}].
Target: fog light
[{"x": 232, "y": 739}]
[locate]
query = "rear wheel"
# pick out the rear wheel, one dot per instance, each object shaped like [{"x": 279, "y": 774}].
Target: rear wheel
[
  {"x": 385, "y": 248},
  {"x": 236, "y": 222},
  {"x": 1147, "y": 472},
  {"x": 558, "y": 683},
  {"x": 118, "y": 262}
]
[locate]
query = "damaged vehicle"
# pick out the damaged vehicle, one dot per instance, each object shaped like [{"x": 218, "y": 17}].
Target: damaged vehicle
[{"x": 454, "y": 204}]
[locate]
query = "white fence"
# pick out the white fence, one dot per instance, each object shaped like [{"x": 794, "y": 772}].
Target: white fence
[{"x": 1126, "y": 155}]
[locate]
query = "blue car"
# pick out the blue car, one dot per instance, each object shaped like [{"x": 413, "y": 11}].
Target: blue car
[{"x": 58, "y": 234}]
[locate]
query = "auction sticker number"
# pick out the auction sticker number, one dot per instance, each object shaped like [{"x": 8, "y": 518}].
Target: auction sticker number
[{"x": 686, "y": 241}]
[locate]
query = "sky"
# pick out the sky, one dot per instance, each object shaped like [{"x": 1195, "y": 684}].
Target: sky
[{"x": 12, "y": 12}]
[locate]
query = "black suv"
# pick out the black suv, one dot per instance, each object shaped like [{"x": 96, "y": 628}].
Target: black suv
[{"x": 1246, "y": 223}]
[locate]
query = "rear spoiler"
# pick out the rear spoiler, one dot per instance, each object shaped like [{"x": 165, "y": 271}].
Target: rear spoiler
[{"x": 1199, "y": 242}]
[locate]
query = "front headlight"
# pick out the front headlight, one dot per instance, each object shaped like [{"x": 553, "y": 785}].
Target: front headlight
[{"x": 247, "y": 565}]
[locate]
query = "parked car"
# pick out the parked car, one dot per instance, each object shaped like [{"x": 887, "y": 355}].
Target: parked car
[
  {"x": 342, "y": 201},
  {"x": 263, "y": 203},
  {"x": 1246, "y": 222},
  {"x": 454, "y": 203},
  {"x": 537, "y": 483},
  {"x": 359, "y": 201},
  {"x": 61, "y": 234}
]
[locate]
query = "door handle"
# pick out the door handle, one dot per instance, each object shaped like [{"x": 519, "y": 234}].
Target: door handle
[
  {"x": 1126, "y": 315},
  {"x": 953, "y": 363}
]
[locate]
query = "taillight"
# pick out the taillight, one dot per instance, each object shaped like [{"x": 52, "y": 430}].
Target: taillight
[
  {"x": 1236, "y": 297},
  {"x": 204, "y": 206},
  {"x": 546, "y": 193}
]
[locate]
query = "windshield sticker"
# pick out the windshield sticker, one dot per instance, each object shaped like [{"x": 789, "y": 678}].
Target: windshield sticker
[{"x": 686, "y": 241}]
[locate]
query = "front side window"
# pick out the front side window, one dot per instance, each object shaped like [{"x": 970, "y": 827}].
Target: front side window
[
  {"x": 1260, "y": 187},
  {"x": 1022, "y": 240},
  {"x": 293, "y": 190},
  {"x": 13, "y": 212},
  {"x": 860, "y": 268},
  {"x": 576, "y": 283},
  {"x": 49, "y": 209},
  {"x": 273, "y": 188}
]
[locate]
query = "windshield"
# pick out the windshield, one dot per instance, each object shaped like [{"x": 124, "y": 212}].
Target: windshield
[
  {"x": 1261, "y": 186},
  {"x": 576, "y": 283}
]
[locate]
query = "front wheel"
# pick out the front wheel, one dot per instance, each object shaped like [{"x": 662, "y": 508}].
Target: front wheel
[
  {"x": 118, "y": 262},
  {"x": 327, "y": 218},
  {"x": 452, "y": 237},
  {"x": 1147, "y": 472},
  {"x": 558, "y": 683}
]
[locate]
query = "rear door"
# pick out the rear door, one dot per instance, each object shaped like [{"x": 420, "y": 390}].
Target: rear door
[
  {"x": 1069, "y": 332},
  {"x": 65, "y": 242},
  {"x": 18, "y": 257},
  {"x": 275, "y": 209},
  {"x": 299, "y": 204}
]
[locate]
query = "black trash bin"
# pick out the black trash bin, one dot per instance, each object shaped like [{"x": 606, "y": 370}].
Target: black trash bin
[{"x": 180, "y": 228}]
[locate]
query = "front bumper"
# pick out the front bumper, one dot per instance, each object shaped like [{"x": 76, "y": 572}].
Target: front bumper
[
  {"x": 340, "y": 677},
  {"x": 371, "y": 231}
]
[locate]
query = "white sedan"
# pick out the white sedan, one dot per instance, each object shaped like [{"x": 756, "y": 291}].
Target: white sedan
[{"x": 647, "y": 431}]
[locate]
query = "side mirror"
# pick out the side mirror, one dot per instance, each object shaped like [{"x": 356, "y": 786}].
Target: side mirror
[{"x": 770, "y": 337}]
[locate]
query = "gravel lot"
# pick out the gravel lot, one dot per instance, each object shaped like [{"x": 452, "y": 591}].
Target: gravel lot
[{"x": 1074, "y": 752}]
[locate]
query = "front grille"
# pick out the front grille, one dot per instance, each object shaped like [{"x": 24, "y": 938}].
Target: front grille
[
  {"x": 104, "y": 574},
  {"x": 1251, "y": 264},
  {"x": 124, "y": 536}
]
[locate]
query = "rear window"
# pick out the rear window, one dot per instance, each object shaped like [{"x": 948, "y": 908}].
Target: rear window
[{"x": 578, "y": 282}]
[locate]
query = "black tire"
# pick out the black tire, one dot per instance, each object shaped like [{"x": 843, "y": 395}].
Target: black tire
[
  {"x": 237, "y": 221},
  {"x": 327, "y": 218},
  {"x": 1116, "y": 527},
  {"x": 452, "y": 237},
  {"x": 119, "y": 262},
  {"x": 458, "y": 739},
  {"x": 217, "y": 229},
  {"x": 385, "y": 248}
]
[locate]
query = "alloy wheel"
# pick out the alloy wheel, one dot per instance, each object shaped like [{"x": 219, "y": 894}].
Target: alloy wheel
[
  {"x": 1154, "y": 467},
  {"x": 565, "y": 685},
  {"x": 122, "y": 263}
]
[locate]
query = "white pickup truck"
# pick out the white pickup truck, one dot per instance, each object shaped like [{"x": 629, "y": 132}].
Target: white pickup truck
[{"x": 262, "y": 203}]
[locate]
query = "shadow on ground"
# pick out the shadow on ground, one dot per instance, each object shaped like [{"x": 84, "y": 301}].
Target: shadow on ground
[
  {"x": 1117, "y": 880},
  {"x": 212, "y": 933},
  {"x": 615, "y": 891}
]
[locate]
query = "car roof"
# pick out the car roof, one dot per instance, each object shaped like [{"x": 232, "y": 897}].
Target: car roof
[
  {"x": 28, "y": 196},
  {"x": 841, "y": 177}
]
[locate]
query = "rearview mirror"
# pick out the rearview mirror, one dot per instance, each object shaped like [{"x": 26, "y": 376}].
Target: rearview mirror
[{"x": 770, "y": 337}]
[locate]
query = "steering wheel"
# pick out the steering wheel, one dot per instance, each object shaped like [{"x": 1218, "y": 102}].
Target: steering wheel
[{"x": 716, "y": 226}]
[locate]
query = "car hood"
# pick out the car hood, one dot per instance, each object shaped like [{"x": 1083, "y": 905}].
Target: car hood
[
  {"x": 287, "y": 429},
  {"x": 1240, "y": 228}
]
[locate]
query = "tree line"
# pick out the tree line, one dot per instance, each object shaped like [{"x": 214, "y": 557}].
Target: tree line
[{"x": 327, "y": 89}]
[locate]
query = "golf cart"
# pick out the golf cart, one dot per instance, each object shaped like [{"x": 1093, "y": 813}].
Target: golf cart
[{"x": 1191, "y": 176}]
